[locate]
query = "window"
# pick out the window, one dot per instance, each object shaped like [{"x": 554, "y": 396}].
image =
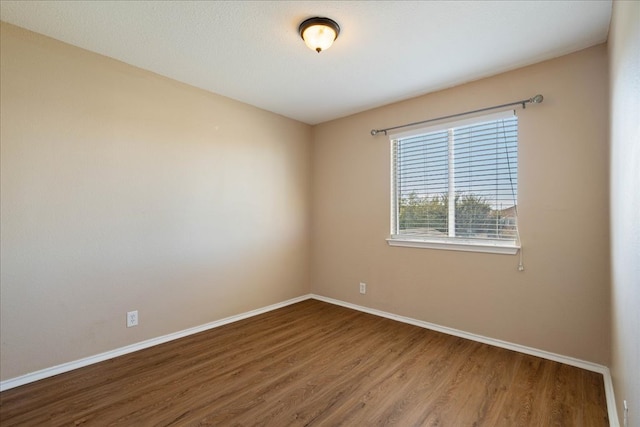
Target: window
[{"x": 473, "y": 163}]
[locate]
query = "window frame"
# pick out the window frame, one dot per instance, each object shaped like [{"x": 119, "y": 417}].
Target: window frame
[{"x": 506, "y": 247}]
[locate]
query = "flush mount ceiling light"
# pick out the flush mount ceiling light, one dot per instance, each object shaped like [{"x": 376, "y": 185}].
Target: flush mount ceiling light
[{"x": 319, "y": 33}]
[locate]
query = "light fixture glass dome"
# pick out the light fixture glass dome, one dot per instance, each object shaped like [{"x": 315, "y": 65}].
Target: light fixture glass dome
[{"x": 319, "y": 33}]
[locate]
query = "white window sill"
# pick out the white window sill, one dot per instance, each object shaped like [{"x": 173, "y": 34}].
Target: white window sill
[{"x": 448, "y": 245}]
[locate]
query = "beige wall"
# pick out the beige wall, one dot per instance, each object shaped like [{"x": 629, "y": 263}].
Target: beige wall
[
  {"x": 624, "y": 56},
  {"x": 122, "y": 190},
  {"x": 561, "y": 302}
]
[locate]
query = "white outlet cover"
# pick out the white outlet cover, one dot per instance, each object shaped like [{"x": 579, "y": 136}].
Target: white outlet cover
[{"x": 132, "y": 318}]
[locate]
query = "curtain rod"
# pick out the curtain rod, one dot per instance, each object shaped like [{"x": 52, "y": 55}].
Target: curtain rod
[{"x": 534, "y": 100}]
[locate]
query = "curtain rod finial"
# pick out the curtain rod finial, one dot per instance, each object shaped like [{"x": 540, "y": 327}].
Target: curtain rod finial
[
  {"x": 537, "y": 99},
  {"x": 374, "y": 132}
]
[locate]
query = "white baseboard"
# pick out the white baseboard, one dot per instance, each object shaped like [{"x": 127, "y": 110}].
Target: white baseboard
[
  {"x": 66, "y": 367},
  {"x": 70, "y": 366},
  {"x": 612, "y": 409},
  {"x": 589, "y": 366}
]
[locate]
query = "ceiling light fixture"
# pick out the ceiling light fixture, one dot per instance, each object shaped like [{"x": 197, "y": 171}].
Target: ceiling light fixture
[{"x": 319, "y": 33}]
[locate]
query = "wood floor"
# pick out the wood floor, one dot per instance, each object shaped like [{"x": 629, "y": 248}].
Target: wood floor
[{"x": 314, "y": 364}]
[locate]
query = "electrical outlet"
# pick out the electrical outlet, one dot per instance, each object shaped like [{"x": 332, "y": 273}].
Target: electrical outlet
[
  {"x": 626, "y": 413},
  {"x": 132, "y": 318},
  {"x": 363, "y": 288}
]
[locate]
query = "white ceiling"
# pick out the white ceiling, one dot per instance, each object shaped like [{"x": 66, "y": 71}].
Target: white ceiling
[{"x": 387, "y": 50}]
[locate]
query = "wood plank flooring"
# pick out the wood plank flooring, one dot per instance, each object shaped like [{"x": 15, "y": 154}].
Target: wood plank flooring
[{"x": 314, "y": 364}]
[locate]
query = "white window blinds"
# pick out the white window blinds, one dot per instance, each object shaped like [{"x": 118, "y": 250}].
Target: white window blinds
[{"x": 473, "y": 163}]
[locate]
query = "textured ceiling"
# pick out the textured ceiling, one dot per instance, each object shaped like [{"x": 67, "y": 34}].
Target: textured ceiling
[{"x": 387, "y": 50}]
